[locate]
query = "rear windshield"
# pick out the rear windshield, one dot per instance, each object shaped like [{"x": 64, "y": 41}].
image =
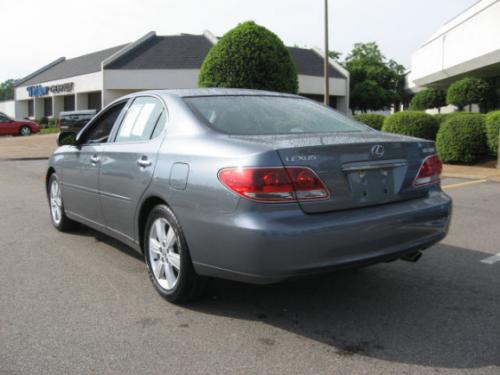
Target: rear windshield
[{"x": 256, "y": 115}]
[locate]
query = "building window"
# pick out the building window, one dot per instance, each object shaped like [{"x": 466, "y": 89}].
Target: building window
[
  {"x": 94, "y": 101},
  {"x": 47, "y": 107},
  {"x": 69, "y": 103},
  {"x": 31, "y": 111}
]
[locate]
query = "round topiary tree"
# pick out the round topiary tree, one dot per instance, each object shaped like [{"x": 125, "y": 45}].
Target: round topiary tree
[
  {"x": 429, "y": 98},
  {"x": 249, "y": 56},
  {"x": 415, "y": 124},
  {"x": 492, "y": 121},
  {"x": 373, "y": 120},
  {"x": 468, "y": 91},
  {"x": 462, "y": 139}
]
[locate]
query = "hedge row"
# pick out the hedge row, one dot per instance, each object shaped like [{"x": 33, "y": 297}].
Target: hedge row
[
  {"x": 460, "y": 137},
  {"x": 371, "y": 119}
]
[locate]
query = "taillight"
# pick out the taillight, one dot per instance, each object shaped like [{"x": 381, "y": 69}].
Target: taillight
[
  {"x": 274, "y": 184},
  {"x": 430, "y": 171}
]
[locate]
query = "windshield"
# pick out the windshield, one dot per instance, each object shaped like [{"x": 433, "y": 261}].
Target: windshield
[{"x": 257, "y": 115}]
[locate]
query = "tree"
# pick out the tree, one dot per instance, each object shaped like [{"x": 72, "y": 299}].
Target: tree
[
  {"x": 7, "y": 90},
  {"x": 428, "y": 98},
  {"x": 375, "y": 82},
  {"x": 468, "y": 91},
  {"x": 249, "y": 56},
  {"x": 335, "y": 55}
]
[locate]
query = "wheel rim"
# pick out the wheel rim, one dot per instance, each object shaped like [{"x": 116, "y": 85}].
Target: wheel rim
[
  {"x": 25, "y": 130},
  {"x": 164, "y": 255},
  {"x": 55, "y": 202}
]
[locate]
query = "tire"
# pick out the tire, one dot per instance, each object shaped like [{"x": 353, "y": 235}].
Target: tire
[
  {"x": 25, "y": 131},
  {"x": 167, "y": 258},
  {"x": 56, "y": 206}
]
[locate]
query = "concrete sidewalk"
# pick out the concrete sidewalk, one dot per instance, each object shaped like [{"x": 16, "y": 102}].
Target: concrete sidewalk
[
  {"x": 32, "y": 147},
  {"x": 471, "y": 172}
]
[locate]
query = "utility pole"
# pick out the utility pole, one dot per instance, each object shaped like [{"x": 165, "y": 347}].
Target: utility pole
[
  {"x": 498, "y": 151},
  {"x": 327, "y": 64}
]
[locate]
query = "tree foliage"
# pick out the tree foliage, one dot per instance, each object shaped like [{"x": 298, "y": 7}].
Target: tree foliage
[
  {"x": 7, "y": 90},
  {"x": 428, "y": 98},
  {"x": 468, "y": 91},
  {"x": 249, "y": 56},
  {"x": 376, "y": 83}
]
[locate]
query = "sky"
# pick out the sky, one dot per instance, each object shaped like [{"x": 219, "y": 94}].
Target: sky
[{"x": 36, "y": 32}]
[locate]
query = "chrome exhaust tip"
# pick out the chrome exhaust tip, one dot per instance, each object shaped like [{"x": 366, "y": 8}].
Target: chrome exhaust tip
[{"x": 413, "y": 257}]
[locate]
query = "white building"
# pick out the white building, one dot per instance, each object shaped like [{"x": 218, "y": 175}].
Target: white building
[
  {"x": 152, "y": 62},
  {"x": 467, "y": 45}
]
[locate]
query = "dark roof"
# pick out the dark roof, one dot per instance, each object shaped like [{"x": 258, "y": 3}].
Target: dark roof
[
  {"x": 183, "y": 51},
  {"x": 72, "y": 67},
  {"x": 166, "y": 52},
  {"x": 310, "y": 63}
]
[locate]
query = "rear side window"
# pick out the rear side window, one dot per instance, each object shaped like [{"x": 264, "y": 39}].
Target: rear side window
[
  {"x": 257, "y": 115},
  {"x": 140, "y": 121}
]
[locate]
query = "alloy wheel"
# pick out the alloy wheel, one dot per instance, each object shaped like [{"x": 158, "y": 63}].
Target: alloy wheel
[
  {"x": 164, "y": 255},
  {"x": 55, "y": 202}
]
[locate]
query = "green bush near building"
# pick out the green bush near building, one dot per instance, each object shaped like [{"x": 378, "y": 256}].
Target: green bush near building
[
  {"x": 249, "y": 56},
  {"x": 492, "y": 121},
  {"x": 373, "y": 120},
  {"x": 415, "y": 124},
  {"x": 462, "y": 138}
]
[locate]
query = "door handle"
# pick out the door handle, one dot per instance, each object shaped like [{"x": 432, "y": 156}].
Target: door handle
[
  {"x": 94, "y": 159},
  {"x": 144, "y": 162}
]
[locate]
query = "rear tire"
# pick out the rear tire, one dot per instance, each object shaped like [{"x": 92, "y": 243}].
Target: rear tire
[
  {"x": 167, "y": 258},
  {"x": 57, "y": 215},
  {"x": 25, "y": 131}
]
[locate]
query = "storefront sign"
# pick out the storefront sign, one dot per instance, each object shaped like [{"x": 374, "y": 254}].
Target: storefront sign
[{"x": 34, "y": 91}]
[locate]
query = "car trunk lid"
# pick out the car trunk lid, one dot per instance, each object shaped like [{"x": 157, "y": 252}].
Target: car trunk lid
[{"x": 359, "y": 169}]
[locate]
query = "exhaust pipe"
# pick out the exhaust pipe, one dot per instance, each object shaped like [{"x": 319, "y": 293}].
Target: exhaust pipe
[{"x": 413, "y": 257}]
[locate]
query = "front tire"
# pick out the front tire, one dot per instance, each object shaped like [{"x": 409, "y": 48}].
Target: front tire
[
  {"x": 167, "y": 257},
  {"x": 25, "y": 131},
  {"x": 57, "y": 214}
]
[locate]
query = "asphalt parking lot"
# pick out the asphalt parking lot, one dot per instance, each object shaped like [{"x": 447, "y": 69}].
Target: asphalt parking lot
[{"x": 81, "y": 303}]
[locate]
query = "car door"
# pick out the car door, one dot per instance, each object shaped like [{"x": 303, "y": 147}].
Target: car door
[
  {"x": 3, "y": 125},
  {"x": 128, "y": 162},
  {"x": 6, "y": 125},
  {"x": 81, "y": 164}
]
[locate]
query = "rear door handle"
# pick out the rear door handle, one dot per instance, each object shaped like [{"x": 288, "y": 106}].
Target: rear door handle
[
  {"x": 94, "y": 159},
  {"x": 144, "y": 162}
]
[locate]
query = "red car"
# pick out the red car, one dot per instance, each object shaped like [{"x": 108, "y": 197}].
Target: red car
[{"x": 13, "y": 127}]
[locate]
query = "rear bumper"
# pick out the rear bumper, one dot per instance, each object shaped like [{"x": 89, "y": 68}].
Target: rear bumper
[{"x": 266, "y": 247}]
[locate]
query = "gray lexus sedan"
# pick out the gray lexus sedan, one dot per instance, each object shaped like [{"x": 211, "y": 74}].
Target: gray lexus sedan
[{"x": 246, "y": 185}]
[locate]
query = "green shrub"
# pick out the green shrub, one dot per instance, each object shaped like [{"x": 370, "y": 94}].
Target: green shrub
[
  {"x": 371, "y": 119},
  {"x": 249, "y": 56},
  {"x": 492, "y": 121},
  {"x": 468, "y": 91},
  {"x": 415, "y": 124},
  {"x": 429, "y": 98},
  {"x": 52, "y": 123},
  {"x": 462, "y": 139},
  {"x": 442, "y": 118}
]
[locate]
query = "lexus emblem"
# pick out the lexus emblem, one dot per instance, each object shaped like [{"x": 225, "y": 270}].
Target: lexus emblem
[{"x": 378, "y": 151}]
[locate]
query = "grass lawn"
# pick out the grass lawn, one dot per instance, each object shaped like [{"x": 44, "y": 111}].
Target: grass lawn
[{"x": 49, "y": 130}]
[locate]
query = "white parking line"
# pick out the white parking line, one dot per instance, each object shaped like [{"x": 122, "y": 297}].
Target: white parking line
[{"x": 492, "y": 259}]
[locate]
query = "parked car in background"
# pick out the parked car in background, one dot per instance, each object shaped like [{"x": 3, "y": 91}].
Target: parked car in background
[
  {"x": 9, "y": 126},
  {"x": 246, "y": 185},
  {"x": 74, "y": 121}
]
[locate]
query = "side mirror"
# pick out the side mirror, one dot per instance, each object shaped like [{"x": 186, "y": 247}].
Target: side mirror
[{"x": 66, "y": 139}]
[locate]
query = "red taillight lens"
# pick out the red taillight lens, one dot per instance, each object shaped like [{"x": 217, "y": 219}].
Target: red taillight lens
[
  {"x": 274, "y": 184},
  {"x": 430, "y": 171}
]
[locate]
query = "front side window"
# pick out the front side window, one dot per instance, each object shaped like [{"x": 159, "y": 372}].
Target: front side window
[
  {"x": 258, "y": 115},
  {"x": 142, "y": 119},
  {"x": 101, "y": 128}
]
